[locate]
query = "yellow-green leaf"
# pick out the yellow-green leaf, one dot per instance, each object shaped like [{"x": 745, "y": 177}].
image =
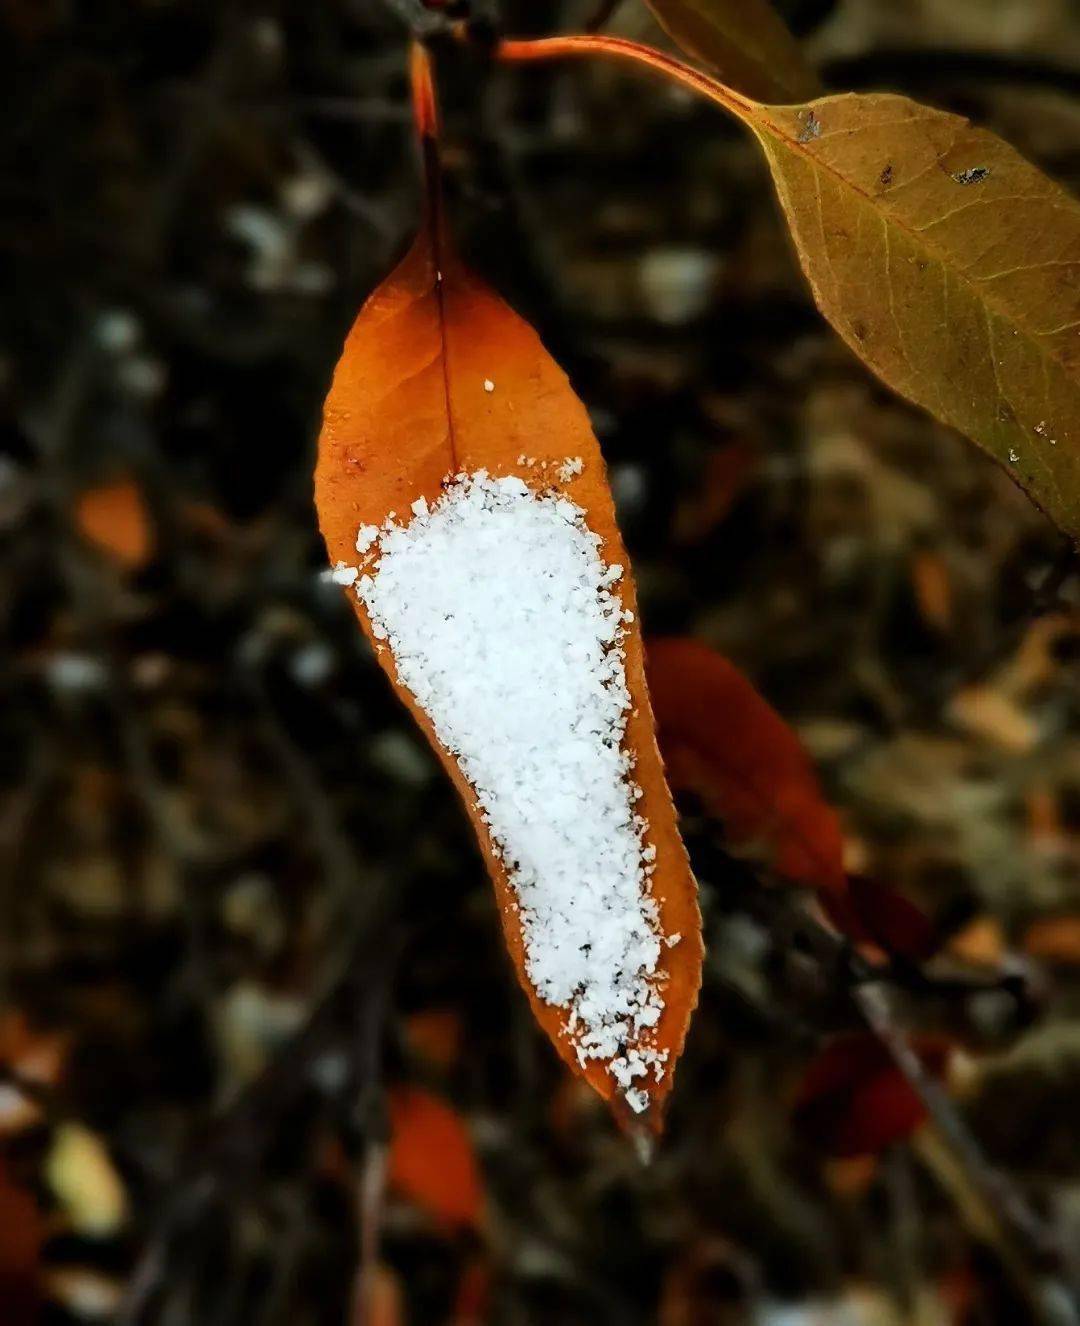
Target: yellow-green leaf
[
  {"x": 745, "y": 41},
  {"x": 950, "y": 265}
]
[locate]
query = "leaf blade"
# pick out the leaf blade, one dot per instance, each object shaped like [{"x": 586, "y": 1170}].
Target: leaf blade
[
  {"x": 854, "y": 1101},
  {"x": 908, "y": 223},
  {"x": 439, "y": 376},
  {"x": 431, "y": 1159},
  {"x": 725, "y": 742}
]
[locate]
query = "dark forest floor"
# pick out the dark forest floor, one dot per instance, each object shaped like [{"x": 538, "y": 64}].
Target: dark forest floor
[{"x": 221, "y": 832}]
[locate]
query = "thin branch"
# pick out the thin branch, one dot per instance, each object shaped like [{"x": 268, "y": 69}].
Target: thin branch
[{"x": 1030, "y": 1248}]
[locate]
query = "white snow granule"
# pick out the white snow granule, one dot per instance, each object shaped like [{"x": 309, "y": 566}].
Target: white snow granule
[
  {"x": 366, "y": 536},
  {"x": 344, "y": 575},
  {"x": 637, "y": 1100},
  {"x": 501, "y": 619}
]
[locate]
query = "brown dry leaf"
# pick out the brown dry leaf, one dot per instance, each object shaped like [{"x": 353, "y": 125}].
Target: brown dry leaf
[
  {"x": 1055, "y": 939},
  {"x": 438, "y": 377},
  {"x": 745, "y": 41},
  {"x": 114, "y": 518},
  {"x": 431, "y": 1159},
  {"x": 1037, "y": 661},
  {"x": 1044, "y": 825},
  {"x": 948, "y": 263},
  {"x": 981, "y": 942},
  {"x": 989, "y": 714},
  {"x": 933, "y": 589},
  {"x": 435, "y": 1035}
]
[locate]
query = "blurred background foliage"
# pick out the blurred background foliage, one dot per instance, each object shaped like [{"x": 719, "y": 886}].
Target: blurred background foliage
[{"x": 221, "y": 835}]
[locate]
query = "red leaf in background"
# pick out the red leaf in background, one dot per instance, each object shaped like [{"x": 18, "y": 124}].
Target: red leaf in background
[
  {"x": 725, "y": 475},
  {"x": 725, "y": 743},
  {"x": 22, "y": 1233},
  {"x": 431, "y": 1160},
  {"x": 892, "y": 921},
  {"x": 473, "y": 1295},
  {"x": 435, "y": 1036},
  {"x": 722, "y": 741},
  {"x": 854, "y": 1101}
]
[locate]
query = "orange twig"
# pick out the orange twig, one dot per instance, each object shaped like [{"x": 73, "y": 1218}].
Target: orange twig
[{"x": 425, "y": 107}]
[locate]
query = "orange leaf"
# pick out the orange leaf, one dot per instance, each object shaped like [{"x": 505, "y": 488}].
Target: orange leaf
[
  {"x": 439, "y": 379},
  {"x": 981, "y": 942},
  {"x": 114, "y": 518},
  {"x": 1055, "y": 939},
  {"x": 722, "y": 741},
  {"x": 431, "y": 1159},
  {"x": 435, "y": 1035}
]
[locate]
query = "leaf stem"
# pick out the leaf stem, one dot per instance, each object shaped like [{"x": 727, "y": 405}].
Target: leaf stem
[
  {"x": 425, "y": 111},
  {"x": 422, "y": 86},
  {"x": 558, "y": 48}
]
